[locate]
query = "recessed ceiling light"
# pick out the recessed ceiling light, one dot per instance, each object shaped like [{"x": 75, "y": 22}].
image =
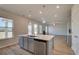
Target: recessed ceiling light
[
  {"x": 40, "y": 12},
  {"x": 57, "y": 6},
  {"x": 43, "y": 21},
  {"x": 29, "y": 15},
  {"x": 54, "y": 24},
  {"x": 55, "y": 15}
]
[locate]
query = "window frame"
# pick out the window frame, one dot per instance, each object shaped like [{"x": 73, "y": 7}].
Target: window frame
[
  {"x": 40, "y": 29},
  {"x": 6, "y": 28},
  {"x": 35, "y": 29},
  {"x": 30, "y": 28}
]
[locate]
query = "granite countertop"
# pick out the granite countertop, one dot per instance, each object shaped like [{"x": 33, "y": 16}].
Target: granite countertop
[{"x": 40, "y": 37}]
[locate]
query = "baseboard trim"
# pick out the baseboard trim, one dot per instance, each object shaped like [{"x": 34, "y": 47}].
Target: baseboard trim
[{"x": 8, "y": 46}]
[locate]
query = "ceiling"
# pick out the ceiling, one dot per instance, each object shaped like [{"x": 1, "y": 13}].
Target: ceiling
[{"x": 51, "y": 13}]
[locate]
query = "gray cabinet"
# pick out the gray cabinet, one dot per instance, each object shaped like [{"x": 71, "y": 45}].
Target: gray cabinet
[
  {"x": 31, "y": 44},
  {"x": 21, "y": 42},
  {"x": 40, "y": 47},
  {"x": 37, "y": 46},
  {"x": 25, "y": 43}
]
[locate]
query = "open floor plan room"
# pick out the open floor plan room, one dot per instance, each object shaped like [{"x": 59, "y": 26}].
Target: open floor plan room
[{"x": 39, "y": 29}]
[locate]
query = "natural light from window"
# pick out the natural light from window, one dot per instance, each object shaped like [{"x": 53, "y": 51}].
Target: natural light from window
[
  {"x": 40, "y": 29},
  {"x": 6, "y": 26},
  {"x": 35, "y": 29},
  {"x": 30, "y": 28}
]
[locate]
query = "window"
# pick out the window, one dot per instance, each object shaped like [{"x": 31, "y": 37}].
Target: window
[
  {"x": 30, "y": 28},
  {"x": 46, "y": 29},
  {"x": 40, "y": 29},
  {"x": 35, "y": 29},
  {"x": 6, "y": 26}
]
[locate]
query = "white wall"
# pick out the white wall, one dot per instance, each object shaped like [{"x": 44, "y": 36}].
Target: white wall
[
  {"x": 58, "y": 29},
  {"x": 75, "y": 28}
]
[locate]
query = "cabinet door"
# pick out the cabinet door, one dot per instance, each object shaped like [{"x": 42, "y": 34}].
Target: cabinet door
[
  {"x": 26, "y": 43},
  {"x": 31, "y": 44},
  {"x": 40, "y": 47},
  {"x": 21, "y": 42}
]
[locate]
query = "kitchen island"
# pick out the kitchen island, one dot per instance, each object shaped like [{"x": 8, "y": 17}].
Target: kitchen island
[{"x": 37, "y": 44}]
